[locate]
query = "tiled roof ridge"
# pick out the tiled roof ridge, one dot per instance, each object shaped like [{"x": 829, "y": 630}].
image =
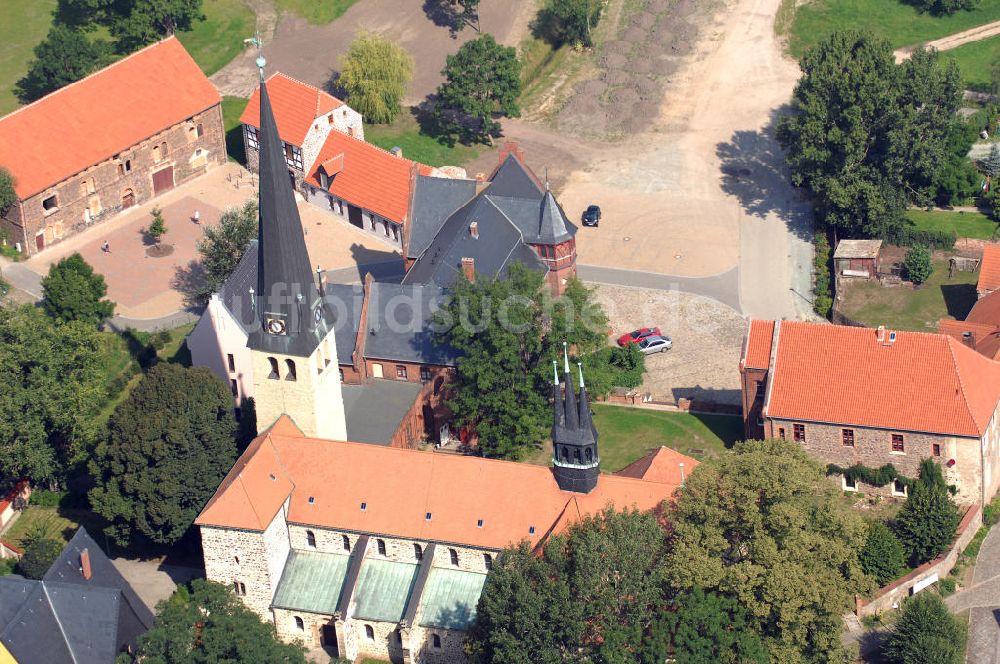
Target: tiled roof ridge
[
  {"x": 961, "y": 383},
  {"x": 378, "y": 148},
  {"x": 772, "y": 366},
  {"x": 85, "y": 78},
  {"x": 319, "y": 91},
  {"x": 62, "y": 631}
]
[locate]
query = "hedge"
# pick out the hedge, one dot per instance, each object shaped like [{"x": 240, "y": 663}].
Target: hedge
[{"x": 908, "y": 236}]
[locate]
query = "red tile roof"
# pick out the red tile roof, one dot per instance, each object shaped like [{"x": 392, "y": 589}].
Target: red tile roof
[
  {"x": 757, "y": 345},
  {"x": 369, "y": 176},
  {"x": 844, "y": 375},
  {"x": 97, "y": 117},
  {"x": 296, "y": 106},
  {"x": 399, "y": 487},
  {"x": 660, "y": 465},
  {"x": 989, "y": 269}
]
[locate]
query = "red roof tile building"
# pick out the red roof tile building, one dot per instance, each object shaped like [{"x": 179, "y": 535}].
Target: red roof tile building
[
  {"x": 107, "y": 142},
  {"x": 989, "y": 270},
  {"x": 858, "y": 395}
]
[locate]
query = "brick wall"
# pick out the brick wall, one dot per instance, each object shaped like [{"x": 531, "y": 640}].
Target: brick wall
[
  {"x": 450, "y": 651},
  {"x": 97, "y": 193},
  {"x": 385, "y": 642},
  {"x": 312, "y": 627},
  {"x": 752, "y": 388}
]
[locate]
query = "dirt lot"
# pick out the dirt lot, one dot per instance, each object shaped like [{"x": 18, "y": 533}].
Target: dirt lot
[{"x": 704, "y": 361}]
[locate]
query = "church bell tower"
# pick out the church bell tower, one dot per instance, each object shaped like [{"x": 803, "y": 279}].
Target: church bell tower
[
  {"x": 292, "y": 342},
  {"x": 575, "y": 458}
]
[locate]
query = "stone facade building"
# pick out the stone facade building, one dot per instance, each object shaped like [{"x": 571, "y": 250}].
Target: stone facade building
[
  {"x": 854, "y": 395},
  {"x": 114, "y": 139}
]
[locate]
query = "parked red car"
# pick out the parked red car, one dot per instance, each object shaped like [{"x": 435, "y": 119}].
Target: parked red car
[{"x": 637, "y": 335}]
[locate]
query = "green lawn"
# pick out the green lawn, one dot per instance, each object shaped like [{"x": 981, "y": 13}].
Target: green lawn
[
  {"x": 405, "y": 133},
  {"x": 232, "y": 109},
  {"x": 901, "y": 23},
  {"x": 316, "y": 12},
  {"x": 57, "y": 523},
  {"x": 965, "y": 224},
  {"x": 976, "y": 61},
  {"x": 219, "y": 38},
  {"x": 25, "y": 24},
  {"x": 628, "y": 433},
  {"x": 908, "y": 309}
]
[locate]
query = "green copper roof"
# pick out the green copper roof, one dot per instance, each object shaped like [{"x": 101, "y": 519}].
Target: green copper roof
[
  {"x": 383, "y": 588},
  {"x": 311, "y": 582},
  {"x": 450, "y": 598}
]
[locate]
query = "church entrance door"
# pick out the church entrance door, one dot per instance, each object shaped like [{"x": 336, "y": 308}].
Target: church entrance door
[{"x": 328, "y": 639}]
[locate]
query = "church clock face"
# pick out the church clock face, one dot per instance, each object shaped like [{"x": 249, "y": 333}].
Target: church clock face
[{"x": 275, "y": 326}]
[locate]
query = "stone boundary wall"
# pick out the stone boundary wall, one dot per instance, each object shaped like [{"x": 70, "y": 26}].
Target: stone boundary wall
[
  {"x": 653, "y": 402},
  {"x": 900, "y": 589}
]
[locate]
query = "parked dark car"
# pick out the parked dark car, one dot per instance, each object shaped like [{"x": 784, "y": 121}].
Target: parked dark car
[{"x": 592, "y": 216}]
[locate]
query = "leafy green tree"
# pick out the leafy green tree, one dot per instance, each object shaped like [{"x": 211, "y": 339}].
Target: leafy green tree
[
  {"x": 927, "y": 522},
  {"x": 468, "y": 13},
  {"x": 568, "y": 21},
  {"x": 709, "y": 628},
  {"x": 498, "y": 390},
  {"x": 765, "y": 526},
  {"x": 883, "y": 557},
  {"x": 38, "y": 558},
  {"x": 926, "y": 633},
  {"x": 136, "y": 23},
  {"x": 8, "y": 192},
  {"x": 943, "y": 7},
  {"x": 223, "y": 245},
  {"x": 375, "y": 72},
  {"x": 171, "y": 442},
  {"x": 66, "y": 55},
  {"x": 72, "y": 291},
  {"x": 917, "y": 264},
  {"x": 158, "y": 227},
  {"x": 482, "y": 81},
  {"x": 543, "y": 608},
  {"x": 208, "y": 624},
  {"x": 53, "y": 386},
  {"x": 869, "y": 136}
]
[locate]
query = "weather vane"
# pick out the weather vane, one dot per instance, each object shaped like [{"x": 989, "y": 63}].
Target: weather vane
[{"x": 256, "y": 41}]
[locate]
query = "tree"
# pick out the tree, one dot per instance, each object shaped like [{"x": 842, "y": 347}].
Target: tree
[
  {"x": 542, "y": 608},
  {"x": 883, "y": 556},
  {"x": 482, "y": 80},
  {"x": 72, "y": 291},
  {"x": 375, "y": 73},
  {"x": 468, "y": 13},
  {"x": 498, "y": 388},
  {"x": 171, "y": 442},
  {"x": 38, "y": 558},
  {"x": 926, "y": 633},
  {"x": 208, "y": 624},
  {"x": 991, "y": 166},
  {"x": 53, "y": 386},
  {"x": 917, "y": 264},
  {"x": 927, "y": 522},
  {"x": 568, "y": 21},
  {"x": 223, "y": 245},
  {"x": 8, "y": 192},
  {"x": 709, "y": 628},
  {"x": 943, "y": 7},
  {"x": 157, "y": 228},
  {"x": 66, "y": 55},
  {"x": 765, "y": 526},
  {"x": 136, "y": 23},
  {"x": 868, "y": 136}
]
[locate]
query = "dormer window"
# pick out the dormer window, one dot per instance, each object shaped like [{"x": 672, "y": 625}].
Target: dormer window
[{"x": 324, "y": 180}]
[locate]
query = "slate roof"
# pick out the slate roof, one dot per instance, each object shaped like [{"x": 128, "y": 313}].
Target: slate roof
[
  {"x": 375, "y": 409},
  {"x": 434, "y": 200},
  {"x": 383, "y": 589},
  {"x": 450, "y": 598},
  {"x": 311, "y": 581},
  {"x": 400, "y": 324},
  {"x": 96, "y": 618},
  {"x": 83, "y": 123}
]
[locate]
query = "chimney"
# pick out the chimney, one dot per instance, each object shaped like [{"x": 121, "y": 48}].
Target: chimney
[
  {"x": 474, "y": 230},
  {"x": 510, "y": 148},
  {"x": 880, "y": 333},
  {"x": 469, "y": 268},
  {"x": 398, "y": 151},
  {"x": 85, "y": 564}
]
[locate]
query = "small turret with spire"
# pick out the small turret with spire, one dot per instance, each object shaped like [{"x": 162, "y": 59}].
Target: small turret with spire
[{"x": 575, "y": 457}]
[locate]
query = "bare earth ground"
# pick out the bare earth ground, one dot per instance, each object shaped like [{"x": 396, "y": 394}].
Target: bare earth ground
[
  {"x": 707, "y": 336},
  {"x": 310, "y": 52}
]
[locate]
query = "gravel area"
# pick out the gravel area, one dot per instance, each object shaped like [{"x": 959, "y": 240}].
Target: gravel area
[{"x": 703, "y": 364}]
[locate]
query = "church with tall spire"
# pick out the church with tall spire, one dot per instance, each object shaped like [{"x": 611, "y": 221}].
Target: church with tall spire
[{"x": 576, "y": 459}]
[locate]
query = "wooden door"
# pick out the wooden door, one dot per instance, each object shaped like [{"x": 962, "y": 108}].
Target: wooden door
[
  {"x": 163, "y": 180},
  {"x": 40, "y": 241},
  {"x": 128, "y": 199}
]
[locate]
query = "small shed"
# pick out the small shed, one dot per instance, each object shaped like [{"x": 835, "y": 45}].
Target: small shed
[{"x": 857, "y": 258}]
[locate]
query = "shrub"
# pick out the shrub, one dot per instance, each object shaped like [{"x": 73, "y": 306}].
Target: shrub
[
  {"x": 630, "y": 364},
  {"x": 918, "y": 264},
  {"x": 991, "y": 513},
  {"x": 822, "y": 294},
  {"x": 946, "y": 586},
  {"x": 38, "y": 558},
  {"x": 925, "y": 632},
  {"x": 908, "y": 236},
  {"x": 45, "y": 498},
  {"x": 883, "y": 556}
]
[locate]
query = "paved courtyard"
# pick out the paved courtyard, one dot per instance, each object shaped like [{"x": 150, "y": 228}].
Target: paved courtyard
[{"x": 703, "y": 364}]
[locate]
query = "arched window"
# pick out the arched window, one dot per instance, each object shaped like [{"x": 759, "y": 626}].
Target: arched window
[
  {"x": 576, "y": 455},
  {"x": 381, "y": 546},
  {"x": 274, "y": 368},
  {"x": 346, "y": 542},
  {"x": 488, "y": 561},
  {"x": 370, "y": 632},
  {"x": 290, "y": 370},
  {"x": 310, "y": 539},
  {"x": 454, "y": 556},
  {"x": 565, "y": 454},
  {"x": 418, "y": 551},
  {"x": 299, "y": 624},
  {"x": 435, "y": 640},
  {"x": 156, "y": 153},
  {"x": 589, "y": 453}
]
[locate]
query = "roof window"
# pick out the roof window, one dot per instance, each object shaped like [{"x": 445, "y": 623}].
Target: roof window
[
  {"x": 272, "y": 477},
  {"x": 479, "y": 524},
  {"x": 428, "y": 516},
  {"x": 364, "y": 506},
  {"x": 312, "y": 500},
  {"x": 531, "y": 530}
]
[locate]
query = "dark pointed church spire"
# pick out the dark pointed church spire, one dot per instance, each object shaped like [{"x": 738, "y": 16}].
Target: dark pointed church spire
[
  {"x": 558, "y": 409},
  {"x": 291, "y": 317},
  {"x": 575, "y": 457},
  {"x": 572, "y": 415}
]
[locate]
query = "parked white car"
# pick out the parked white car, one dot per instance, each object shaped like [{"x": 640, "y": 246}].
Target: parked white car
[{"x": 655, "y": 344}]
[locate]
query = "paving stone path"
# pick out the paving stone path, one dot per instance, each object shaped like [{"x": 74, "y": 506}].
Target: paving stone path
[{"x": 983, "y": 598}]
